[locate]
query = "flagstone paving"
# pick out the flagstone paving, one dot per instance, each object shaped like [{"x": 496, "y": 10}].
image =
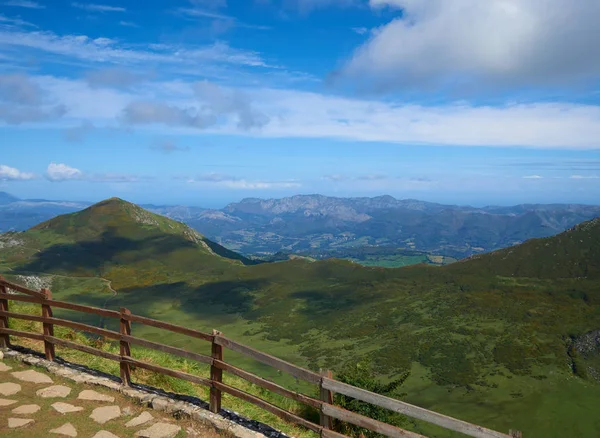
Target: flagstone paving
[
  {"x": 54, "y": 391},
  {"x": 66, "y": 429},
  {"x": 66, "y": 408},
  {"x": 32, "y": 410},
  {"x": 26, "y": 409}
]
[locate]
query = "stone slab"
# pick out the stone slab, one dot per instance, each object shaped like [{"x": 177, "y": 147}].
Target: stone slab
[
  {"x": 6, "y": 402},
  {"x": 13, "y": 423},
  {"x": 144, "y": 417},
  {"x": 4, "y": 367},
  {"x": 66, "y": 430},
  {"x": 26, "y": 409},
  {"x": 55, "y": 391},
  {"x": 105, "y": 414},
  {"x": 9, "y": 388},
  {"x": 159, "y": 430},
  {"x": 91, "y": 395},
  {"x": 65, "y": 408},
  {"x": 105, "y": 434},
  {"x": 31, "y": 376}
]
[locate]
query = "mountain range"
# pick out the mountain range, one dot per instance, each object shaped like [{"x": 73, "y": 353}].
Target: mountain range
[
  {"x": 502, "y": 339},
  {"x": 320, "y": 226}
]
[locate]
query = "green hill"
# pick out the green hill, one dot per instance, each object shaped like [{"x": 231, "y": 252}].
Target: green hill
[
  {"x": 574, "y": 253},
  {"x": 121, "y": 241},
  {"x": 503, "y": 340}
]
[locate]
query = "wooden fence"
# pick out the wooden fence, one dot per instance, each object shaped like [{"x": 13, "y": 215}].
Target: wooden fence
[{"x": 326, "y": 384}]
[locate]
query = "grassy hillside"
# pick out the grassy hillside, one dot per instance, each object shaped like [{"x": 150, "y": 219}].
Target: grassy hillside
[
  {"x": 483, "y": 340},
  {"x": 574, "y": 253}
]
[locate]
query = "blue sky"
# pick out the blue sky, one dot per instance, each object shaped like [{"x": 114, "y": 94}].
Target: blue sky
[{"x": 206, "y": 102}]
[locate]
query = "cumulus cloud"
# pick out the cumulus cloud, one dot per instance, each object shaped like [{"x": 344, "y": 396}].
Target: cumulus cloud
[
  {"x": 437, "y": 44},
  {"x": 91, "y": 7},
  {"x": 225, "y": 102},
  {"x": 213, "y": 104},
  {"x": 21, "y": 101},
  {"x": 57, "y": 172},
  {"x": 8, "y": 173},
  {"x": 19, "y": 89},
  {"x": 231, "y": 182},
  {"x": 149, "y": 112}
]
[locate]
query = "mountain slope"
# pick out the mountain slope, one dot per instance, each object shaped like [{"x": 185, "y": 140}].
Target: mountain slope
[
  {"x": 480, "y": 343},
  {"x": 120, "y": 241},
  {"x": 574, "y": 253},
  {"x": 312, "y": 224}
]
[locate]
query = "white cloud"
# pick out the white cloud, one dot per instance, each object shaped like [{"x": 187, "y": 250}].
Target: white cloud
[
  {"x": 19, "y": 89},
  {"x": 24, "y": 4},
  {"x": 128, "y": 23},
  {"x": 231, "y": 182},
  {"x": 213, "y": 103},
  {"x": 15, "y": 22},
  {"x": 57, "y": 172},
  {"x": 11, "y": 174},
  {"x": 335, "y": 177},
  {"x": 472, "y": 43},
  {"x": 97, "y": 8},
  {"x": 584, "y": 177},
  {"x": 360, "y": 30},
  {"x": 533, "y": 177},
  {"x": 181, "y": 109},
  {"x": 22, "y": 101},
  {"x": 109, "y": 51}
]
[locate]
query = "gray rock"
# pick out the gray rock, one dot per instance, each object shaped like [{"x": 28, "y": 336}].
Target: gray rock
[
  {"x": 26, "y": 409},
  {"x": 13, "y": 423},
  {"x": 65, "y": 408},
  {"x": 9, "y": 388},
  {"x": 31, "y": 376},
  {"x": 160, "y": 404},
  {"x": 66, "y": 430},
  {"x": 105, "y": 414},
  {"x": 88, "y": 394},
  {"x": 159, "y": 430},
  {"x": 54, "y": 391},
  {"x": 144, "y": 417}
]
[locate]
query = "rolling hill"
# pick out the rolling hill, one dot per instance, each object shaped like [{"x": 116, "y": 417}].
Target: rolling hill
[
  {"x": 118, "y": 240},
  {"x": 502, "y": 339}
]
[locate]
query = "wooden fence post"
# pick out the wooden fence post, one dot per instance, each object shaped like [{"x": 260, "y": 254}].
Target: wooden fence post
[
  {"x": 48, "y": 327},
  {"x": 327, "y": 397},
  {"x": 4, "y": 339},
  {"x": 216, "y": 375},
  {"x": 515, "y": 433},
  {"x": 125, "y": 348}
]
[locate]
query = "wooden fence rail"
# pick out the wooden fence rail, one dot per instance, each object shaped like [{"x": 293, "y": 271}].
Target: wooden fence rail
[{"x": 327, "y": 386}]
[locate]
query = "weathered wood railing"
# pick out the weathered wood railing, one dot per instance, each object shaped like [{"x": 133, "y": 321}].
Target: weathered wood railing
[{"x": 326, "y": 384}]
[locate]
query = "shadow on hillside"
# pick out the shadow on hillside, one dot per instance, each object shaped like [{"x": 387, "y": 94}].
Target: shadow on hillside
[
  {"x": 234, "y": 296},
  {"x": 110, "y": 247}
]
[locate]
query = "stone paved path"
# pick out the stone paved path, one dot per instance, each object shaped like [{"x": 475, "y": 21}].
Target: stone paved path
[{"x": 34, "y": 404}]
